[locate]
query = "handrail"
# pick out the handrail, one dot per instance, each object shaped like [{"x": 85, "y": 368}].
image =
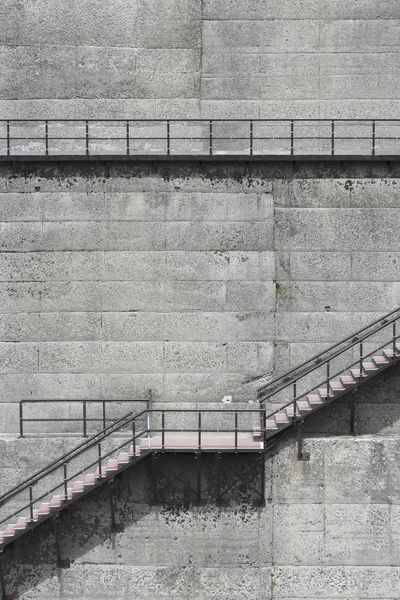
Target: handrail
[
  {"x": 128, "y": 420},
  {"x": 67, "y": 456},
  {"x": 317, "y": 360},
  {"x": 256, "y": 142}
]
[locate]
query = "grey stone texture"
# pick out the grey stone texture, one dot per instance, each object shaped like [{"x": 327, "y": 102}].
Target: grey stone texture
[
  {"x": 328, "y": 529},
  {"x": 175, "y": 278},
  {"x": 188, "y": 58}
]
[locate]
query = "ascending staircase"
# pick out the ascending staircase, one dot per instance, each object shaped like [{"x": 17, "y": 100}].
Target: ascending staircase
[{"x": 129, "y": 445}]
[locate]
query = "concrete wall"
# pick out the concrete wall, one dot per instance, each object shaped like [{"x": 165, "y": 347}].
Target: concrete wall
[
  {"x": 120, "y": 279},
  {"x": 329, "y": 529},
  {"x": 157, "y": 58}
]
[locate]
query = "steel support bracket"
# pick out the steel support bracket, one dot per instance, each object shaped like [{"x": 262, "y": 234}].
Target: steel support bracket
[
  {"x": 115, "y": 527},
  {"x": 303, "y": 455},
  {"x": 62, "y": 563}
]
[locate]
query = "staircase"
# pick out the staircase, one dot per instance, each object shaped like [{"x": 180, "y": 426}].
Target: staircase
[{"x": 134, "y": 436}]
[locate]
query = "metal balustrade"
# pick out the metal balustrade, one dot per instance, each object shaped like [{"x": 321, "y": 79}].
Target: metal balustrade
[{"x": 198, "y": 138}]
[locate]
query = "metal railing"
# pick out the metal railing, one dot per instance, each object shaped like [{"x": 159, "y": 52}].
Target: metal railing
[
  {"x": 387, "y": 329},
  {"x": 208, "y": 138},
  {"x": 93, "y": 452},
  {"x": 102, "y": 413}
]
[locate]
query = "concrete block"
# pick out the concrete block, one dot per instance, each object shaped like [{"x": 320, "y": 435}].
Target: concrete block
[
  {"x": 17, "y": 357},
  {"x": 132, "y": 385},
  {"x": 20, "y": 207},
  {"x": 78, "y": 357},
  {"x": 247, "y": 9},
  {"x": 316, "y": 582},
  {"x": 132, "y": 296},
  {"x": 375, "y": 266},
  {"x": 313, "y": 193},
  {"x": 235, "y": 63},
  {"x": 314, "y": 327},
  {"x": 18, "y": 386},
  {"x": 195, "y": 356},
  {"x": 72, "y": 235},
  {"x": 137, "y": 266},
  {"x": 345, "y": 472},
  {"x": 250, "y": 296},
  {"x": 22, "y": 327},
  {"x": 212, "y": 236},
  {"x": 24, "y": 237},
  {"x": 195, "y": 295},
  {"x": 171, "y": 60},
  {"x": 249, "y": 357},
  {"x": 358, "y": 35},
  {"x": 201, "y": 327},
  {"x": 340, "y": 297},
  {"x": 298, "y": 482},
  {"x": 135, "y": 206},
  {"x": 70, "y": 326},
  {"x": 70, "y": 296},
  {"x": 205, "y": 387},
  {"x": 39, "y": 266},
  {"x": 197, "y": 266},
  {"x": 196, "y": 206},
  {"x": 251, "y": 265},
  {"x": 261, "y": 34},
  {"x": 229, "y": 582},
  {"x": 134, "y": 326},
  {"x": 250, "y": 326},
  {"x": 120, "y": 357},
  {"x": 67, "y": 385},
  {"x": 76, "y": 206},
  {"x": 266, "y": 235},
  {"x": 230, "y": 88},
  {"x": 131, "y": 235},
  {"x": 311, "y": 266},
  {"x": 368, "y": 9}
]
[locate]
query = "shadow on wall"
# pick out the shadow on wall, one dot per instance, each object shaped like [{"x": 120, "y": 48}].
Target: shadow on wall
[
  {"x": 154, "y": 527},
  {"x": 376, "y": 409}
]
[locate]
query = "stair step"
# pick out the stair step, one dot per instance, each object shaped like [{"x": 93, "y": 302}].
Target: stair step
[
  {"x": 348, "y": 380},
  {"x": 389, "y": 351},
  {"x": 370, "y": 366},
  {"x": 303, "y": 405},
  {"x": 356, "y": 373},
  {"x": 112, "y": 465},
  {"x": 44, "y": 509},
  {"x": 89, "y": 480},
  {"x": 78, "y": 487},
  {"x": 281, "y": 418},
  {"x": 336, "y": 386},
  {"x": 8, "y": 532},
  {"x": 271, "y": 424},
  {"x": 380, "y": 360},
  {"x": 98, "y": 474},
  {"x": 323, "y": 392},
  {"x": 314, "y": 399},
  {"x": 21, "y": 524},
  {"x": 124, "y": 458},
  {"x": 56, "y": 501}
]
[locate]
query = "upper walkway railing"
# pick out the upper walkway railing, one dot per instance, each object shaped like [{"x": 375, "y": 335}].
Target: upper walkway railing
[{"x": 203, "y": 138}]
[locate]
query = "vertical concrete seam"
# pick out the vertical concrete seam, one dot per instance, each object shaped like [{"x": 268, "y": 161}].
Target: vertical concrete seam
[{"x": 201, "y": 57}]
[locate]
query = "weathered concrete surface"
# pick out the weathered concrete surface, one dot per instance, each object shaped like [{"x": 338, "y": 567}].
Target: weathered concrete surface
[
  {"x": 185, "y": 58},
  {"x": 119, "y": 279},
  {"x": 329, "y": 529}
]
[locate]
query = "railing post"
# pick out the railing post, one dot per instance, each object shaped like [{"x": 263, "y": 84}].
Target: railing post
[
  {"x": 84, "y": 420},
  {"x": 168, "y": 139},
  {"x": 21, "y": 420},
  {"x": 373, "y": 138},
  {"x": 65, "y": 482},
  {"x": 87, "y": 138},
  {"x": 199, "y": 430},
  {"x": 328, "y": 378},
  {"x": 99, "y": 459},
  {"x": 163, "y": 429},
  {"x": 291, "y": 138},
  {"x": 149, "y": 413},
  {"x": 361, "y": 360},
  {"x": 236, "y": 429},
  {"x": 210, "y": 135},
  {"x": 127, "y": 139},
  {"x": 31, "y": 503},
  {"x": 8, "y": 139},
  {"x": 333, "y": 138},
  {"x": 46, "y": 134},
  {"x": 294, "y": 402},
  {"x": 251, "y": 138},
  {"x": 134, "y": 439},
  {"x": 394, "y": 341},
  {"x": 104, "y": 414}
]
